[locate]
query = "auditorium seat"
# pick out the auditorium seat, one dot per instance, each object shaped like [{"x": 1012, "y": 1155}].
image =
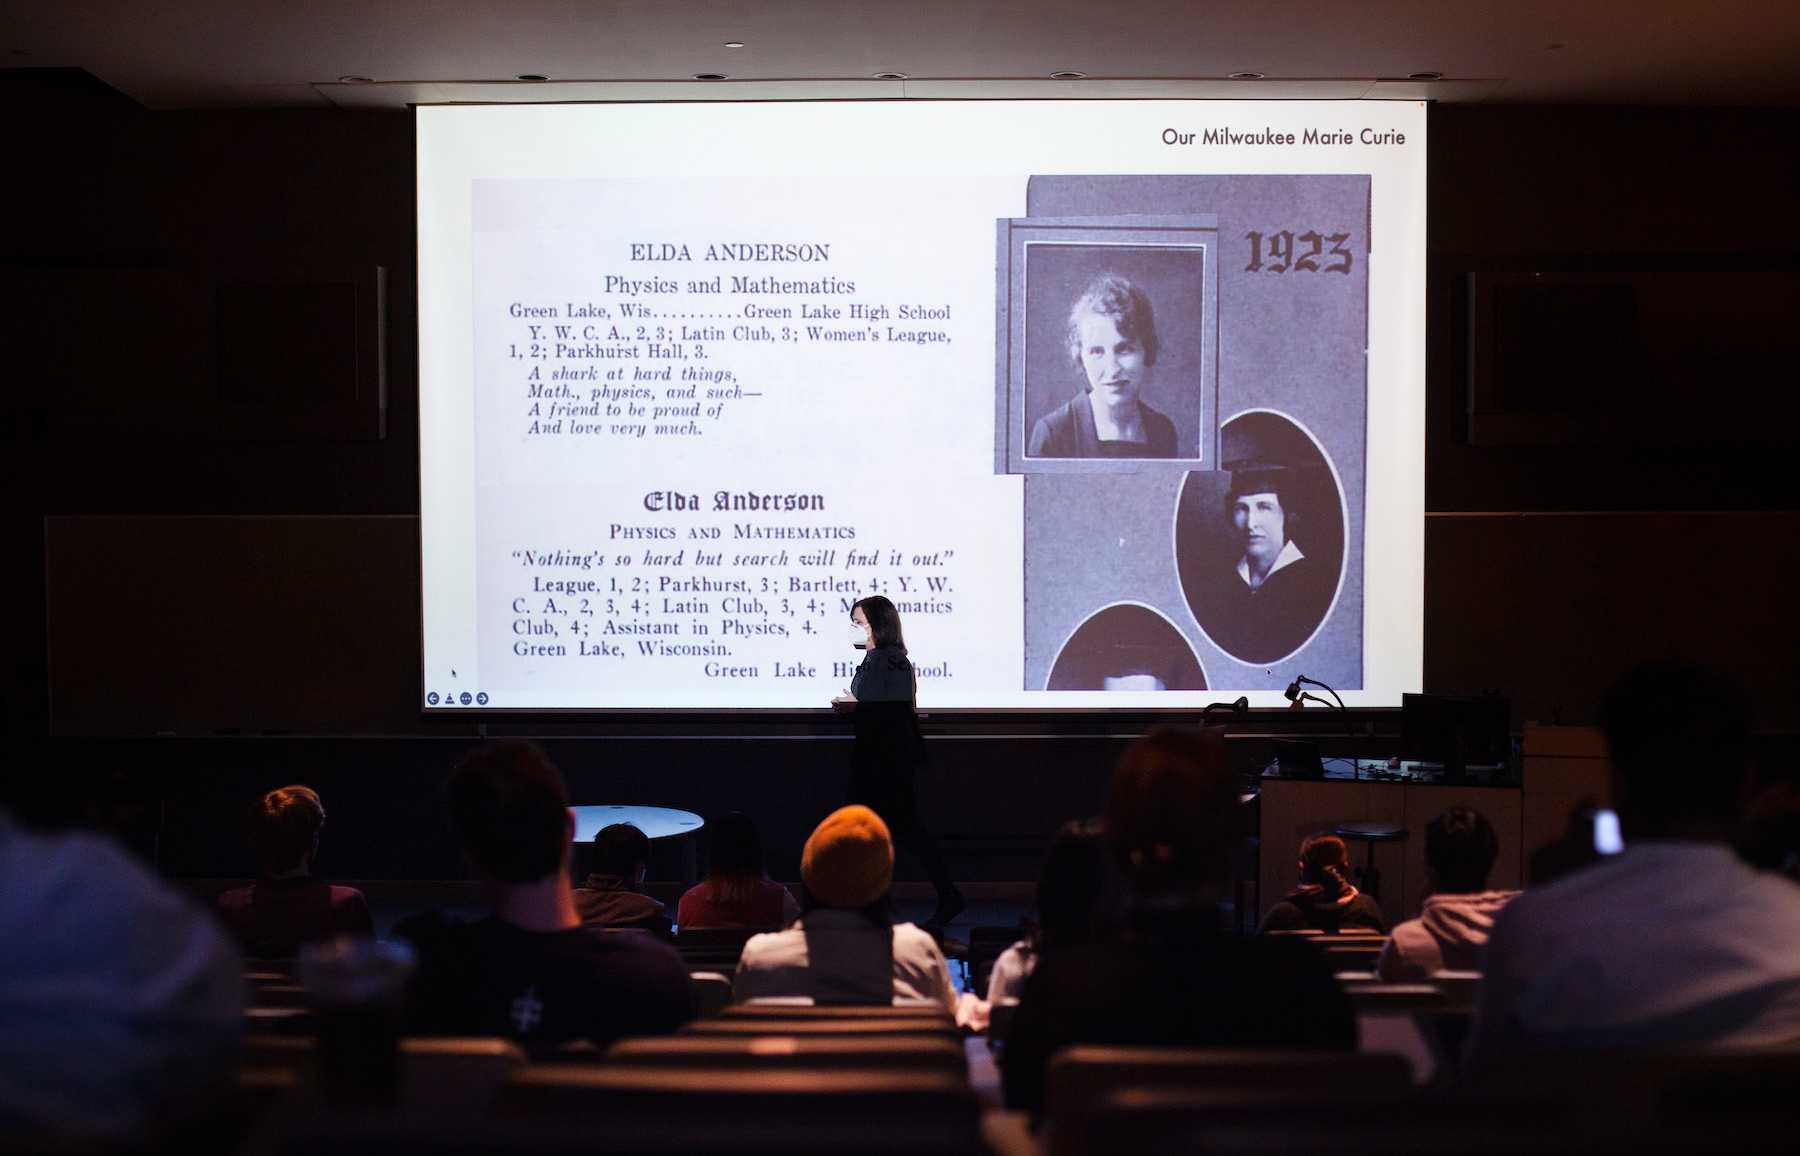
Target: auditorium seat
[
  {"x": 444, "y": 1074},
  {"x": 708, "y": 1110},
  {"x": 1669, "y": 1086},
  {"x": 280, "y": 1020},
  {"x": 1167, "y": 1120},
  {"x": 776, "y": 1010},
  {"x": 1459, "y": 987},
  {"x": 1000, "y": 1018},
  {"x": 711, "y": 992},
  {"x": 1174, "y": 1121},
  {"x": 714, "y": 948},
  {"x": 781, "y": 1052},
  {"x": 729, "y": 1025},
  {"x": 1082, "y": 1076},
  {"x": 1353, "y": 956},
  {"x": 986, "y": 945},
  {"x": 1373, "y": 997},
  {"x": 279, "y": 995}
]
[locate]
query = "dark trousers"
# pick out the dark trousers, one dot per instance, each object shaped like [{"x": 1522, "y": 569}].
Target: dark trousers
[{"x": 895, "y": 802}]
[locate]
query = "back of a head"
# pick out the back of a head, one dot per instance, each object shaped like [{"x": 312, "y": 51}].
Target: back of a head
[
  {"x": 1172, "y": 815},
  {"x": 734, "y": 847},
  {"x": 283, "y": 826},
  {"x": 1072, "y": 887},
  {"x": 1460, "y": 849},
  {"x": 848, "y": 860},
  {"x": 620, "y": 849},
  {"x": 510, "y": 807},
  {"x": 1679, "y": 736},
  {"x": 1325, "y": 862}
]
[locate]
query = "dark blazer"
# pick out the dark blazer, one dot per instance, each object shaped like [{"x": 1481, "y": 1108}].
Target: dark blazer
[
  {"x": 889, "y": 748},
  {"x": 1068, "y": 432}
]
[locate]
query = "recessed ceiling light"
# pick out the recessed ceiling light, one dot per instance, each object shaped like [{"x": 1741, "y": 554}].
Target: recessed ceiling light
[
  {"x": 1246, "y": 76},
  {"x": 711, "y": 76},
  {"x": 1068, "y": 74},
  {"x": 1424, "y": 76},
  {"x": 355, "y": 80},
  {"x": 890, "y": 76},
  {"x": 734, "y": 44},
  {"x": 533, "y": 76}
]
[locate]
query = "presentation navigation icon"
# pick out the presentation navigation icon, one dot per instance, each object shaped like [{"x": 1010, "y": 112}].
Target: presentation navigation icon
[
  {"x": 432, "y": 698},
  {"x": 481, "y": 698},
  {"x": 466, "y": 698}
]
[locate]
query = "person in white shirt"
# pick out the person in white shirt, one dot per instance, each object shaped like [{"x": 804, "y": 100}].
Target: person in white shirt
[
  {"x": 846, "y": 949},
  {"x": 1458, "y": 914},
  {"x": 1673, "y": 942}
]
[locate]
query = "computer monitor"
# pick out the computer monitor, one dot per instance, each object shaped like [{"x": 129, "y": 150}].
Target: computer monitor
[{"x": 1459, "y": 731}]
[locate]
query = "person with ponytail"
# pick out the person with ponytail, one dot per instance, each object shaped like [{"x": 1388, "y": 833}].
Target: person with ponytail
[{"x": 1326, "y": 899}]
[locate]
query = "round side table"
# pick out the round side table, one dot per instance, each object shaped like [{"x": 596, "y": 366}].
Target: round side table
[
  {"x": 655, "y": 822},
  {"x": 1370, "y": 833}
]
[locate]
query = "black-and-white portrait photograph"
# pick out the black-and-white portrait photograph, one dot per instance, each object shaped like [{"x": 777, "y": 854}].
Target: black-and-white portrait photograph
[
  {"x": 1109, "y": 332},
  {"x": 1259, "y": 546},
  {"x": 1254, "y": 550},
  {"x": 1126, "y": 647}
]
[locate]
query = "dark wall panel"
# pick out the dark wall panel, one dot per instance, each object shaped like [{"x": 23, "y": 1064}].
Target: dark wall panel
[{"x": 1543, "y": 609}]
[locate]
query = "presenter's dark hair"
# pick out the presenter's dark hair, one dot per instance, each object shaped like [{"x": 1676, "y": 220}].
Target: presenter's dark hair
[
  {"x": 1119, "y": 298},
  {"x": 620, "y": 848},
  {"x": 284, "y": 825},
  {"x": 884, "y": 620},
  {"x": 511, "y": 808},
  {"x": 1679, "y": 735},
  {"x": 1460, "y": 848},
  {"x": 1172, "y": 814}
]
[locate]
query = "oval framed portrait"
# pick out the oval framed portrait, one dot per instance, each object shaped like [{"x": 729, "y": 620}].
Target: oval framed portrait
[
  {"x": 1126, "y": 646},
  {"x": 1259, "y": 544}
]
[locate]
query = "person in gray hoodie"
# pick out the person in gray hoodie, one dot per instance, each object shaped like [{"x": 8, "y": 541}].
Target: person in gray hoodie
[{"x": 1453, "y": 924}]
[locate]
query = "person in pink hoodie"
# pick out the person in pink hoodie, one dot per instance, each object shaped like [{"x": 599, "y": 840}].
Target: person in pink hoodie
[{"x": 1453, "y": 924}]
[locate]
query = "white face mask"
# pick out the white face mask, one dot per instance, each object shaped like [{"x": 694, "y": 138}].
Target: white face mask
[{"x": 859, "y": 636}]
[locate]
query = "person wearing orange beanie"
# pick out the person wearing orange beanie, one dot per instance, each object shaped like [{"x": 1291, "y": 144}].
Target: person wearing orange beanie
[{"x": 846, "y": 949}]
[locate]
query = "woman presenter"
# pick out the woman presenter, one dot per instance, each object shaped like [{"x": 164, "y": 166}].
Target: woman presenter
[{"x": 889, "y": 748}]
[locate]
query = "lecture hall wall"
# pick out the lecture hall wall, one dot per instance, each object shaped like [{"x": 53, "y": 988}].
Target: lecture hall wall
[{"x": 1547, "y": 566}]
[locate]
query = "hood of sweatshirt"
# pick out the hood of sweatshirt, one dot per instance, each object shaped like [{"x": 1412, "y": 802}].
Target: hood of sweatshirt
[{"x": 1463, "y": 920}]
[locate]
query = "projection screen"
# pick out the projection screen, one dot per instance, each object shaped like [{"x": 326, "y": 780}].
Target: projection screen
[{"x": 1121, "y": 403}]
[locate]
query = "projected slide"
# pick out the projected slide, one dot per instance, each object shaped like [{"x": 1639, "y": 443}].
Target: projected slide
[{"x": 1120, "y": 403}]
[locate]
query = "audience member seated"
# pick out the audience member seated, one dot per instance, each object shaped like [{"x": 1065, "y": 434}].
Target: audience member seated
[
  {"x": 1458, "y": 913},
  {"x": 287, "y": 905},
  {"x": 1326, "y": 900},
  {"x": 122, "y": 999},
  {"x": 846, "y": 948},
  {"x": 1175, "y": 975},
  {"x": 1071, "y": 898},
  {"x": 610, "y": 897},
  {"x": 737, "y": 891},
  {"x": 1771, "y": 836},
  {"x": 1573, "y": 852},
  {"x": 1674, "y": 942},
  {"x": 532, "y": 970}
]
